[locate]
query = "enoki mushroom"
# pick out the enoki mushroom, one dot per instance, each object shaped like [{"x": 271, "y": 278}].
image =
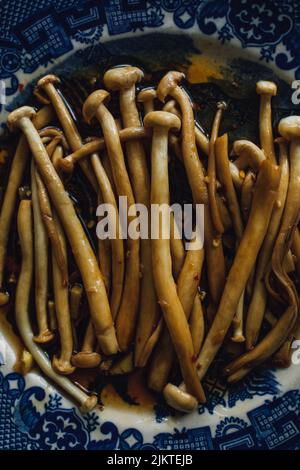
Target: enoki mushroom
[{"x": 120, "y": 304}]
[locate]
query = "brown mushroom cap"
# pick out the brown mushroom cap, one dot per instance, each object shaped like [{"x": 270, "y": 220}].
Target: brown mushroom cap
[
  {"x": 119, "y": 78},
  {"x": 47, "y": 79},
  {"x": 264, "y": 87},
  {"x": 62, "y": 367},
  {"x": 44, "y": 337},
  {"x": 170, "y": 81},
  {"x": 162, "y": 119},
  {"x": 15, "y": 116},
  {"x": 89, "y": 404},
  {"x": 148, "y": 94},
  {"x": 179, "y": 399},
  {"x": 86, "y": 360},
  {"x": 253, "y": 154},
  {"x": 289, "y": 127},
  {"x": 92, "y": 103}
]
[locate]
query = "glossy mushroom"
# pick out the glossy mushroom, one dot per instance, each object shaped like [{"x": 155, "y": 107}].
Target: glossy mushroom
[
  {"x": 83, "y": 253},
  {"x": 124, "y": 80},
  {"x": 95, "y": 107},
  {"x": 174, "y": 315}
]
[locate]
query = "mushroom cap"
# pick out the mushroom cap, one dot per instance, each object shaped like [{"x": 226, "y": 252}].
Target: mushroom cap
[
  {"x": 62, "y": 367},
  {"x": 47, "y": 79},
  {"x": 93, "y": 102},
  {"x": 248, "y": 149},
  {"x": 15, "y": 116},
  {"x": 162, "y": 119},
  {"x": 263, "y": 87},
  {"x": 170, "y": 81},
  {"x": 289, "y": 127},
  {"x": 147, "y": 94},
  {"x": 222, "y": 105},
  {"x": 86, "y": 360},
  {"x": 44, "y": 337},
  {"x": 179, "y": 399},
  {"x": 89, "y": 404},
  {"x": 119, "y": 78}
]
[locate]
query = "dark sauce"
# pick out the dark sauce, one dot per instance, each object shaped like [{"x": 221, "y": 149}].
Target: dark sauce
[{"x": 240, "y": 121}]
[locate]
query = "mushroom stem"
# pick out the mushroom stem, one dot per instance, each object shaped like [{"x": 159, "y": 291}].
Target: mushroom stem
[
  {"x": 288, "y": 127},
  {"x": 176, "y": 246},
  {"x": 117, "y": 248},
  {"x": 265, "y": 193},
  {"x": 42, "y": 118},
  {"x": 86, "y": 403},
  {"x": 197, "y": 324},
  {"x": 147, "y": 97},
  {"x": 174, "y": 315},
  {"x": 211, "y": 172},
  {"x": 40, "y": 266},
  {"x": 258, "y": 302},
  {"x": 254, "y": 233},
  {"x": 296, "y": 249},
  {"x": 62, "y": 364},
  {"x": 223, "y": 171},
  {"x": 51, "y": 146},
  {"x": 87, "y": 357},
  {"x": 187, "y": 286},
  {"x": 249, "y": 155},
  {"x": 189, "y": 278},
  {"x": 124, "y": 80},
  {"x": 247, "y": 194},
  {"x": 270, "y": 318},
  {"x": 125, "y": 322},
  {"x": 237, "y": 176},
  {"x": 46, "y": 84},
  {"x": 160, "y": 365},
  {"x": 213, "y": 249},
  {"x": 52, "y": 315},
  {"x": 98, "y": 144},
  {"x": 266, "y": 90},
  {"x": 288, "y": 263},
  {"x": 104, "y": 256},
  {"x": 215, "y": 261},
  {"x": 47, "y": 217},
  {"x": 267, "y": 346},
  {"x": 289, "y": 130},
  {"x": 169, "y": 86},
  {"x": 75, "y": 300},
  {"x": 238, "y": 322},
  {"x": 201, "y": 140},
  {"x": 83, "y": 253}
]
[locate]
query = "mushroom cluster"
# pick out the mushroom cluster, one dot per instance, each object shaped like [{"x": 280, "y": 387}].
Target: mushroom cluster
[{"x": 152, "y": 303}]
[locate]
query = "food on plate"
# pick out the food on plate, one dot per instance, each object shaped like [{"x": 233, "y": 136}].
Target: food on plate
[{"x": 163, "y": 302}]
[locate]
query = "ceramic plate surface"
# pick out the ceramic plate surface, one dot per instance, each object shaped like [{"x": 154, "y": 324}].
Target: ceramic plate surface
[{"x": 243, "y": 39}]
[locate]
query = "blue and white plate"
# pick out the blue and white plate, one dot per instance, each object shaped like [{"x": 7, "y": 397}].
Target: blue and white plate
[{"x": 246, "y": 39}]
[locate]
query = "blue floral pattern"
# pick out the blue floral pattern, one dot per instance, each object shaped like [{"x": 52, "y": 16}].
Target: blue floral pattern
[
  {"x": 273, "y": 425},
  {"x": 36, "y": 33}
]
